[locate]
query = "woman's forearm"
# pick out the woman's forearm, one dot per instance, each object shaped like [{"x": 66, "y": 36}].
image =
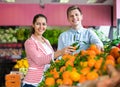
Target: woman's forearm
[{"x": 57, "y": 54}]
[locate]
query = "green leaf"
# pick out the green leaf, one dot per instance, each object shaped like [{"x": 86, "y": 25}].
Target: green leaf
[
  {"x": 69, "y": 68},
  {"x": 76, "y": 44},
  {"x": 118, "y": 66}
]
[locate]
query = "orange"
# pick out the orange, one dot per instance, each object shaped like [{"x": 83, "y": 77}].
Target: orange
[
  {"x": 91, "y": 57},
  {"x": 93, "y": 46},
  {"x": 98, "y": 64},
  {"x": 83, "y": 52},
  {"x": 50, "y": 81},
  {"x": 69, "y": 57},
  {"x": 91, "y": 52},
  {"x": 74, "y": 69},
  {"x": 107, "y": 62},
  {"x": 76, "y": 54},
  {"x": 72, "y": 58},
  {"x": 85, "y": 71},
  {"x": 92, "y": 75},
  {"x": 118, "y": 60},
  {"x": 67, "y": 82},
  {"x": 75, "y": 76},
  {"x": 82, "y": 79},
  {"x": 91, "y": 62},
  {"x": 110, "y": 57},
  {"x": 52, "y": 71},
  {"x": 65, "y": 56},
  {"x": 97, "y": 51},
  {"x": 84, "y": 64},
  {"x": 62, "y": 69},
  {"x": 69, "y": 62},
  {"x": 56, "y": 75},
  {"x": 110, "y": 62},
  {"x": 59, "y": 81},
  {"x": 115, "y": 52},
  {"x": 66, "y": 74}
]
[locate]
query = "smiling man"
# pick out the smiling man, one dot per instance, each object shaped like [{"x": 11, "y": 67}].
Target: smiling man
[{"x": 77, "y": 33}]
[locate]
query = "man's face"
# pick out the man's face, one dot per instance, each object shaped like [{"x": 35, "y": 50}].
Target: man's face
[{"x": 75, "y": 17}]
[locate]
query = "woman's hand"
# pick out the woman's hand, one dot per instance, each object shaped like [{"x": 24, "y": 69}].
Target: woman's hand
[{"x": 68, "y": 50}]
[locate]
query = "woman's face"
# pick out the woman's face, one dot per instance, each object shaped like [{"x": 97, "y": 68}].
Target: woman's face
[
  {"x": 40, "y": 26},
  {"x": 75, "y": 17}
]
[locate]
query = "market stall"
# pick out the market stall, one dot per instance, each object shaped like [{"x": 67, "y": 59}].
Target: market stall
[{"x": 73, "y": 69}]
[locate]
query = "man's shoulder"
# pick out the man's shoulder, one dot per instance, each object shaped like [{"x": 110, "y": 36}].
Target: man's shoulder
[
  {"x": 66, "y": 32},
  {"x": 88, "y": 30}
]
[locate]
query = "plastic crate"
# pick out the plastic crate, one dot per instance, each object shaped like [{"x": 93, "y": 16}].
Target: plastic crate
[{"x": 13, "y": 80}]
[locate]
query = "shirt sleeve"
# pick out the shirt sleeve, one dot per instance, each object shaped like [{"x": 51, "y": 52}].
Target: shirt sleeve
[
  {"x": 60, "y": 42},
  {"x": 38, "y": 57}
]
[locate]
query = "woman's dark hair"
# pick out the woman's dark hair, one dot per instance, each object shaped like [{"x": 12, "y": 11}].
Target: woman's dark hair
[
  {"x": 73, "y": 7},
  {"x": 35, "y": 18}
]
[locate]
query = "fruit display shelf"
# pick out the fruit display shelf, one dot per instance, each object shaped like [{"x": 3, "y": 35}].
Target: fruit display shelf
[
  {"x": 10, "y": 45},
  {"x": 87, "y": 65}
]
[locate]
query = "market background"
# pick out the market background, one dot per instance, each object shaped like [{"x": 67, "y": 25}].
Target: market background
[{"x": 16, "y": 17}]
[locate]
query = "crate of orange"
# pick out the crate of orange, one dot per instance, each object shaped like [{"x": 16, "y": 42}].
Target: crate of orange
[{"x": 76, "y": 69}]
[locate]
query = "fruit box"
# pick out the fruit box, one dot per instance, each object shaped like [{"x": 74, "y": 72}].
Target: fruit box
[
  {"x": 12, "y": 77},
  {"x": 13, "y": 80},
  {"x": 13, "y": 84}
]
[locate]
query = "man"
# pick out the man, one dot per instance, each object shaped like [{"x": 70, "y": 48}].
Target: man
[{"x": 77, "y": 33}]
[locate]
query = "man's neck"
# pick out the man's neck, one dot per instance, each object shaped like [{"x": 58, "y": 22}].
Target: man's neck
[{"x": 77, "y": 27}]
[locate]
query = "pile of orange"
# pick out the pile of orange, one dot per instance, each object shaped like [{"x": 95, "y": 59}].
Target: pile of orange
[{"x": 74, "y": 69}]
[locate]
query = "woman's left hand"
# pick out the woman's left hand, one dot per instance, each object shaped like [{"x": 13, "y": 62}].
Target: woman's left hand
[{"x": 68, "y": 50}]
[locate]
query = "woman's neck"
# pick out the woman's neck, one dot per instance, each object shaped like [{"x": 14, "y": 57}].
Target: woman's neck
[
  {"x": 39, "y": 38},
  {"x": 37, "y": 35}
]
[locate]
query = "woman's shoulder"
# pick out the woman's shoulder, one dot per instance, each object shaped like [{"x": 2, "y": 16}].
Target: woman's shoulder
[{"x": 29, "y": 41}]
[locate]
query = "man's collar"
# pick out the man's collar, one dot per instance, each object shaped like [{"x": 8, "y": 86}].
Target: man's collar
[{"x": 77, "y": 30}]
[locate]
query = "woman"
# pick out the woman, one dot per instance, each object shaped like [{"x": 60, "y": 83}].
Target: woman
[{"x": 39, "y": 52}]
